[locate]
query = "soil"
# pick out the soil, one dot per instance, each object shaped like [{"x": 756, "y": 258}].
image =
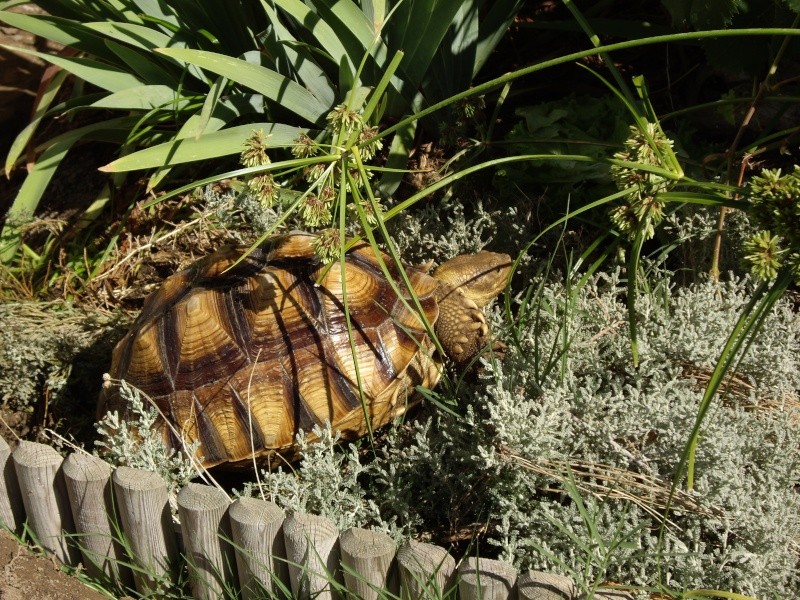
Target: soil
[{"x": 25, "y": 575}]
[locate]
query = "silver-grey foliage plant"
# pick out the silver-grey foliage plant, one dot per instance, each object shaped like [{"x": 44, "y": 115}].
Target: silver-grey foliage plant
[{"x": 569, "y": 471}]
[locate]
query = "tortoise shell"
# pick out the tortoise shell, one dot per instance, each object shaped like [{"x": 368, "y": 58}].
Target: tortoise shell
[{"x": 240, "y": 357}]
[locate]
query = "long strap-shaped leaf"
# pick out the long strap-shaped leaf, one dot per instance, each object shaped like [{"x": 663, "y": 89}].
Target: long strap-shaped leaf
[
  {"x": 280, "y": 41},
  {"x": 62, "y": 31},
  {"x": 100, "y": 74},
  {"x": 211, "y": 145},
  {"x": 272, "y": 85}
]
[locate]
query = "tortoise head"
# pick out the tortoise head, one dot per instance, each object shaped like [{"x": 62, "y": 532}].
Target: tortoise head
[
  {"x": 480, "y": 276},
  {"x": 468, "y": 283}
]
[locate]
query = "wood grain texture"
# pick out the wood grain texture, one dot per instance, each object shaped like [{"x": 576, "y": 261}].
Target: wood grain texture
[
  {"x": 12, "y": 510},
  {"x": 539, "y": 585},
  {"x": 426, "y": 571},
  {"x": 206, "y": 533},
  {"x": 44, "y": 495},
  {"x": 88, "y": 482},
  {"x": 146, "y": 519},
  {"x": 370, "y": 556},
  {"x": 257, "y": 530},
  {"x": 486, "y": 579},
  {"x": 312, "y": 551}
]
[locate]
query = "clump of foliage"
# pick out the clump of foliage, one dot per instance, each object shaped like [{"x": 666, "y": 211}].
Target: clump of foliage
[
  {"x": 642, "y": 210},
  {"x": 189, "y": 83},
  {"x": 594, "y": 427},
  {"x": 575, "y": 125},
  {"x": 50, "y": 351},
  {"x": 335, "y": 182},
  {"x": 440, "y": 230},
  {"x": 775, "y": 207}
]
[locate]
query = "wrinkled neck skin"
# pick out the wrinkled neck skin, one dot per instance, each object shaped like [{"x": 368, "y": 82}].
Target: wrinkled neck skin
[{"x": 480, "y": 277}]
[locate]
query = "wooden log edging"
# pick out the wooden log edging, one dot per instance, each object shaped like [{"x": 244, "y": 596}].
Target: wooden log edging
[
  {"x": 143, "y": 504},
  {"x": 257, "y": 530},
  {"x": 89, "y": 488},
  {"x": 79, "y": 506}
]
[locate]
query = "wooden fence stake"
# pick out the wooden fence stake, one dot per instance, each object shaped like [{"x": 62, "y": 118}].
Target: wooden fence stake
[
  {"x": 370, "y": 554},
  {"x": 206, "y": 539},
  {"x": 539, "y": 585},
  {"x": 44, "y": 495},
  {"x": 12, "y": 512},
  {"x": 426, "y": 571},
  {"x": 257, "y": 529},
  {"x": 88, "y": 482},
  {"x": 147, "y": 524},
  {"x": 486, "y": 579},
  {"x": 312, "y": 550}
]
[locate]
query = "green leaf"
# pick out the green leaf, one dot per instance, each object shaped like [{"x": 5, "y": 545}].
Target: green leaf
[
  {"x": 221, "y": 143},
  {"x": 280, "y": 41},
  {"x": 375, "y": 12},
  {"x": 138, "y": 36},
  {"x": 43, "y": 102},
  {"x": 144, "y": 97},
  {"x": 327, "y": 37},
  {"x": 62, "y": 31},
  {"x": 195, "y": 126},
  {"x": 100, "y": 74},
  {"x": 493, "y": 27},
  {"x": 145, "y": 67},
  {"x": 422, "y": 30},
  {"x": 157, "y": 9},
  {"x": 265, "y": 81},
  {"x": 704, "y": 14}
]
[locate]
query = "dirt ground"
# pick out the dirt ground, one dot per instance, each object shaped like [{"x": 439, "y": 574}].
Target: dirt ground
[{"x": 25, "y": 576}]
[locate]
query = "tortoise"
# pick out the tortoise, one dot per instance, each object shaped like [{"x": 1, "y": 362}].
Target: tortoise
[{"x": 240, "y": 356}]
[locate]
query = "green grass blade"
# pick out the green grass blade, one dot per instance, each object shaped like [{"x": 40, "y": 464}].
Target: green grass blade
[
  {"x": 265, "y": 81},
  {"x": 375, "y": 12},
  {"x": 750, "y": 321},
  {"x": 157, "y": 10},
  {"x": 380, "y": 89},
  {"x": 145, "y": 67},
  {"x": 322, "y": 31},
  {"x": 220, "y": 143},
  {"x": 422, "y": 28},
  {"x": 281, "y": 42},
  {"x": 742, "y": 335},
  {"x": 493, "y": 27},
  {"x": 195, "y": 126},
  {"x": 703, "y": 199},
  {"x": 28, "y": 198},
  {"x": 633, "y": 271},
  {"x": 595, "y": 40},
  {"x": 490, "y": 85}
]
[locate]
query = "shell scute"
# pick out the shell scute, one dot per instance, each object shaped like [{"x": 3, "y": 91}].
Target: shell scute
[{"x": 203, "y": 345}]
